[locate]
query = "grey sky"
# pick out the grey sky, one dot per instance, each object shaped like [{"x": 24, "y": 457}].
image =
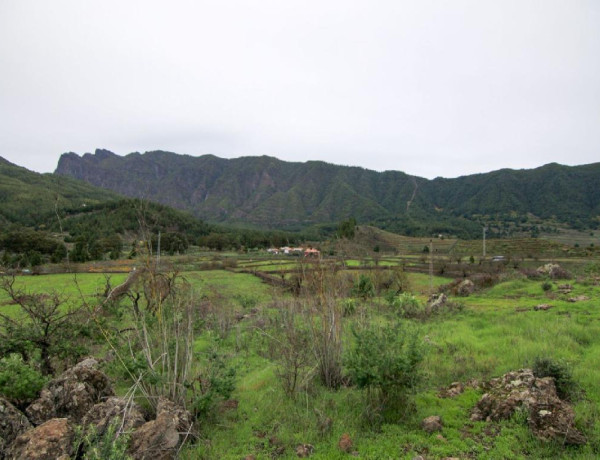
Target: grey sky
[{"x": 432, "y": 88}]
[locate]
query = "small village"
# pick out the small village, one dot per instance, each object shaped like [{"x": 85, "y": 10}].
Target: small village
[{"x": 287, "y": 251}]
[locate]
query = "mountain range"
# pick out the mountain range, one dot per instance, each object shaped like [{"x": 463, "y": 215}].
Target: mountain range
[
  {"x": 41, "y": 212},
  {"x": 270, "y": 193}
]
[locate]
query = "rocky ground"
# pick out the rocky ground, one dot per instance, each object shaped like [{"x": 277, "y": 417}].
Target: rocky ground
[{"x": 83, "y": 399}]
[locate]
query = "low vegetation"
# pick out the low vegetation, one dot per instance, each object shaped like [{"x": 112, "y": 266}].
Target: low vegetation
[{"x": 336, "y": 360}]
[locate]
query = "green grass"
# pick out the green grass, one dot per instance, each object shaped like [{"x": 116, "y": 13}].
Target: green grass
[
  {"x": 70, "y": 286},
  {"x": 488, "y": 338},
  {"x": 224, "y": 285},
  {"x": 388, "y": 262},
  {"x": 273, "y": 267},
  {"x": 420, "y": 282},
  {"x": 496, "y": 331}
]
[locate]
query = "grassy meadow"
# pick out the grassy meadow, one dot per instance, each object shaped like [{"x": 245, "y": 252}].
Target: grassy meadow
[
  {"x": 241, "y": 319},
  {"x": 489, "y": 337}
]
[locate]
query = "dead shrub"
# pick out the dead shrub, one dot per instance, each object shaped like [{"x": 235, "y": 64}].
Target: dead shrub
[
  {"x": 323, "y": 316},
  {"x": 532, "y": 274},
  {"x": 292, "y": 340},
  {"x": 394, "y": 279}
]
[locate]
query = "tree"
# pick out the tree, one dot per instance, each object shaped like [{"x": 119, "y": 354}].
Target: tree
[
  {"x": 347, "y": 228},
  {"x": 59, "y": 254},
  {"x": 80, "y": 253},
  {"x": 171, "y": 243},
  {"x": 46, "y": 325},
  {"x": 385, "y": 362},
  {"x": 112, "y": 245}
]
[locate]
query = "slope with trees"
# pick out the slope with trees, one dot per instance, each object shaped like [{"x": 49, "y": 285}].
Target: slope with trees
[{"x": 268, "y": 192}]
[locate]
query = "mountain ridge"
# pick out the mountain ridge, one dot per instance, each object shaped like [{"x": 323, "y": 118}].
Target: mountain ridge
[{"x": 268, "y": 192}]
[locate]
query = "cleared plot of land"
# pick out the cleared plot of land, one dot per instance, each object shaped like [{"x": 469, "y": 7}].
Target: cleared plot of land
[{"x": 225, "y": 285}]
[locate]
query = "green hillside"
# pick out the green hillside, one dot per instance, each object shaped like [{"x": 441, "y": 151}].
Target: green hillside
[
  {"x": 45, "y": 217},
  {"x": 569, "y": 193},
  {"x": 29, "y": 198},
  {"x": 270, "y": 193}
]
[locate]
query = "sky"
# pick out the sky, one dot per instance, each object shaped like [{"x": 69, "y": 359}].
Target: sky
[{"x": 431, "y": 88}]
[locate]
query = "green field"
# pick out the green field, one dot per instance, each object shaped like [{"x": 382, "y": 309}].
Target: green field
[
  {"x": 488, "y": 338},
  {"x": 495, "y": 330}
]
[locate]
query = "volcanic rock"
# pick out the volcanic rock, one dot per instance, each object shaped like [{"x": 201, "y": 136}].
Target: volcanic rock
[
  {"x": 12, "y": 424},
  {"x": 52, "y": 440},
  {"x": 72, "y": 394}
]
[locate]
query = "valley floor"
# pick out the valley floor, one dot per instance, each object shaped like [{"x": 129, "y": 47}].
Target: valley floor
[{"x": 240, "y": 319}]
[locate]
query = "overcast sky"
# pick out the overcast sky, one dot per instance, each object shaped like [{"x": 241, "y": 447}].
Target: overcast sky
[{"x": 432, "y": 88}]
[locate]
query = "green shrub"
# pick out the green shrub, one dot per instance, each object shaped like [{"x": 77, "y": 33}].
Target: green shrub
[
  {"x": 348, "y": 307},
  {"x": 485, "y": 280},
  {"x": 389, "y": 297},
  {"x": 215, "y": 383},
  {"x": 246, "y": 301},
  {"x": 385, "y": 362},
  {"x": 393, "y": 281},
  {"x": 363, "y": 287},
  {"x": 407, "y": 305},
  {"x": 532, "y": 274},
  {"x": 566, "y": 387},
  {"x": 129, "y": 364},
  {"x": 111, "y": 445},
  {"x": 20, "y": 383},
  {"x": 546, "y": 286}
]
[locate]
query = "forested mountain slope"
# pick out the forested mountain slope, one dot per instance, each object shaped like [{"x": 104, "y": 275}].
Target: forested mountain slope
[
  {"x": 28, "y": 198},
  {"x": 268, "y": 192}
]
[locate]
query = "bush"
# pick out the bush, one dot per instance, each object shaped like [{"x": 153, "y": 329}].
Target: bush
[
  {"x": 394, "y": 280},
  {"x": 546, "y": 286},
  {"x": 454, "y": 306},
  {"x": 247, "y": 301},
  {"x": 294, "y": 357},
  {"x": 49, "y": 329},
  {"x": 20, "y": 383},
  {"x": 554, "y": 271},
  {"x": 560, "y": 273},
  {"x": 407, "y": 305},
  {"x": 157, "y": 352},
  {"x": 363, "y": 287},
  {"x": 324, "y": 318},
  {"x": 215, "y": 383},
  {"x": 389, "y": 297},
  {"x": 566, "y": 387},
  {"x": 348, "y": 307},
  {"x": 385, "y": 362}
]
